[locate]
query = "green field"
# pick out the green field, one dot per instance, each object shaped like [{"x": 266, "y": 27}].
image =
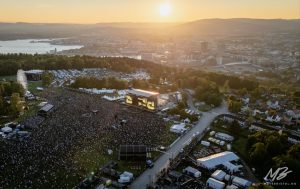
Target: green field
[
  {"x": 33, "y": 85},
  {"x": 8, "y": 78}
]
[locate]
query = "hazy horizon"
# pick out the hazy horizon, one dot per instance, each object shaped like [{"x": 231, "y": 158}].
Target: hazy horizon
[
  {"x": 133, "y": 11},
  {"x": 133, "y": 22}
]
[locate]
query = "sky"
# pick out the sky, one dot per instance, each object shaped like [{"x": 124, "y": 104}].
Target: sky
[{"x": 96, "y": 11}]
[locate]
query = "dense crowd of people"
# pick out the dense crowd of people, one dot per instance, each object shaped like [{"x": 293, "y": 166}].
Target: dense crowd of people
[{"x": 81, "y": 124}]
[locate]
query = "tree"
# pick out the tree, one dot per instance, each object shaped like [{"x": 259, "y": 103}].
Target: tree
[
  {"x": 258, "y": 153},
  {"x": 17, "y": 88},
  {"x": 242, "y": 91},
  {"x": 235, "y": 128},
  {"x": 2, "y": 107},
  {"x": 15, "y": 104},
  {"x": 274, "y": 146},
  {"x": 209, "y": 93},
  {"x": 226, "y": 86},
  {"x": 235, "y": 106},
  {"x": 255, "y": 94},
  {"x": 47, "y": 79},
  {"x": 294, "y": 151}
]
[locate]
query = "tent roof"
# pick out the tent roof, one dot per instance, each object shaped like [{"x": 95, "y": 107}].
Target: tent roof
[
  {"x": 217, "y": 159},
  {"x": 219, "y": 175},
  {"x": 139, "y": 92}
]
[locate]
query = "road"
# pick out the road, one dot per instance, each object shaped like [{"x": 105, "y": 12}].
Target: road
[{"x": 149, "y": 176}]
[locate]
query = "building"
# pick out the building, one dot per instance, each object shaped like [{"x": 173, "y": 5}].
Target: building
[
  {"x": 45, "y": 110},
  {"x": 224, "y": 136},
  {"x": 132, "y": 152},
  {"x": 215, "y": 184},
  {"x": 243, "y": 183},
  {"x": 34, "y": 75},
  {"x": 219, "y": 175},
  {"x": 141, "y": 98},
  {"x": 178, "y": 128},
  {"x": 192, "y": 172},
  {"x": 204, "y": 46},
  {"x": 212, "y": 161}
]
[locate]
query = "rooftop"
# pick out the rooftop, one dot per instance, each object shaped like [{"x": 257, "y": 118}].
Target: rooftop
[
  {"x": 217, "y": 159},
  {"x": 140, "y": 92},
  {"x": 34, "y": 71},
  {"x": 47, "y": 107}
]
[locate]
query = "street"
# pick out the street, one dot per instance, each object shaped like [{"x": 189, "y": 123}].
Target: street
[{"x": 149, "y": 176}]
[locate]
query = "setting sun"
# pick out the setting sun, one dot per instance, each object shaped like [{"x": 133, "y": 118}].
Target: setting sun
[{"x": 165, "y": 9}]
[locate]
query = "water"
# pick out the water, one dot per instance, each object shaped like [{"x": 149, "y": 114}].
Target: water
[{"x": 33, "y": 46}]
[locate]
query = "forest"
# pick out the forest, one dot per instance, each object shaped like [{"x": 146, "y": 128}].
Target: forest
[
  {"x": 11, "y": 94},
  {"x": 206, "y": 84}
]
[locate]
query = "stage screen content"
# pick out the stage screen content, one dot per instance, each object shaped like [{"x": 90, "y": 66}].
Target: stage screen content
[{"x": 144, "y": 102}]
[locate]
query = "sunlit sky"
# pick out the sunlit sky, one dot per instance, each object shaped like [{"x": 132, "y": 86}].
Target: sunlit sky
[{"x": 95, "y": 11}]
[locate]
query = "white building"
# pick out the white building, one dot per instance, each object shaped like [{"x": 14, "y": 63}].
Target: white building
[
  {"x": 215, "y": 184},
  {"x": 224, "y": 136},
  {"x": 219, "y": 175},
  {"x": 274, "y": 118},
  {"x": 178, "y": 128},
  {"x": 212, "y": 161},
  {"x": 241, "y": 182}
]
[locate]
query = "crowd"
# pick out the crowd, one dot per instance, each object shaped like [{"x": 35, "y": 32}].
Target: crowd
[{"x": 81, "y": 124}]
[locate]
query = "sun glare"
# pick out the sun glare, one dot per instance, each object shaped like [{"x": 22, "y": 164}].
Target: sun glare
[{"x": 165, "y": 9}]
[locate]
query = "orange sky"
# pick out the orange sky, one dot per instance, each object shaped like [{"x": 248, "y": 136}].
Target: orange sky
[{"x": 94, "y": 11}]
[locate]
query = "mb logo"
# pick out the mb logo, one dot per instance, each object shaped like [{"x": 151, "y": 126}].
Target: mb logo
[{"x": 279, "y": 174}]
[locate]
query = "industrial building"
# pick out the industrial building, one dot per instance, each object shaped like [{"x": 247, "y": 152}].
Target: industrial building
[{"x": 212, "y": 161}]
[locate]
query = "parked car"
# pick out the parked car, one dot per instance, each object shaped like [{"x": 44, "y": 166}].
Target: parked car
[{"x": 149, "y": 163}]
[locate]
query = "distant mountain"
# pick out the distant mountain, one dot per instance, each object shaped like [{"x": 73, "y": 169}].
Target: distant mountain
[
  {"x": 23, "y": 30},
  {"x": 238, "y": 26},
  {"x": 235, "y": 26}
]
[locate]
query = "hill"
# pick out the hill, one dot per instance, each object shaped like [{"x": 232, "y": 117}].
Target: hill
[
  {"x": 235, "y": 26},
  {"x": 238, "y": 26}
]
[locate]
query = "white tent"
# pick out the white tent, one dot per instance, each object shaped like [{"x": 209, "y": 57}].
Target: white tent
[
  {"x": 205, "y": 143},
  {"x": 231, "y": 187},
  {"x": 179, "y": 128},
  {"x": 210, "y": 162},
  {"x": 231, "y": 167},
  {"x": 224, "y": 136},
  {"x": 192, "y": 171},
  {"x": 219, "y": 175},
  {"x": 6, "y": 129},
  {"x": 215, "y": 184},
  {"x": 241, "y": 182}
]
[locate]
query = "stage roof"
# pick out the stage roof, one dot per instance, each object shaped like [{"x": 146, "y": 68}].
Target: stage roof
[{"x": 140, "y": 92}]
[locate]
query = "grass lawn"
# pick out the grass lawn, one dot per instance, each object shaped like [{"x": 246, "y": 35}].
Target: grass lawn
[
  {"x": 8, "y": 78},
  {"x": 204, "y": 108},
  {"x": 170, "y": 137},
  {"x": 33, "y": 108},
  {"x": 33, "y": 85}
]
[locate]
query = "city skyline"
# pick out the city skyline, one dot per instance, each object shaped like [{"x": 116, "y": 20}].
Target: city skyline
[{"x": 92, "y": 11}]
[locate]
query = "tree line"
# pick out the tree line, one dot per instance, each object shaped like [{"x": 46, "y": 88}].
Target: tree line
[
  {"x": 11, "y": 94},
  {"x": 206, "y": 84},
  {"x": 270, "y": 149}
]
